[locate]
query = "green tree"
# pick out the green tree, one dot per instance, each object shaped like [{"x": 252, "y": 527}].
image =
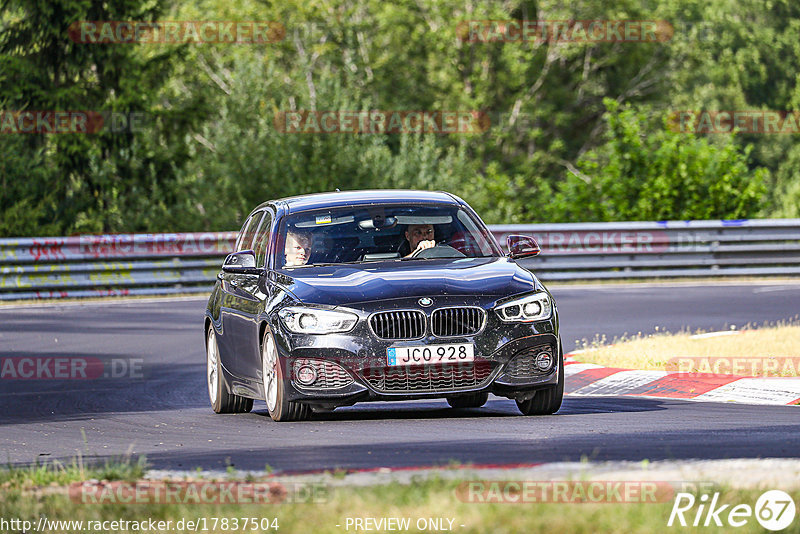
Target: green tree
[
  {"x": 107, "y": 181},
  {"x": 544, "y": 99},
  {"x": 661, "y": 176},
  {"x": 210, "y": 150},
  {"x": 741, "y": 55}
]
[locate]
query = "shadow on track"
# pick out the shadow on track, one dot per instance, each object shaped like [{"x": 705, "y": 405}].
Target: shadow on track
[
  {"x": 161, "y": 387},
  {"x": 496, "y": 407},
  {"x": 527, "y": 449}
]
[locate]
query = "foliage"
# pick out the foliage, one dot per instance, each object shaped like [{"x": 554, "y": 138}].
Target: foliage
[
  {"x": 562, "y": 114},
  {"x": 105, "y": 181},
  {"x": 665, "y": 175}
]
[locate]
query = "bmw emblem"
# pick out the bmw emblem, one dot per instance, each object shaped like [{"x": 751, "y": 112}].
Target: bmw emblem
[{"x": 425, "y": 302}]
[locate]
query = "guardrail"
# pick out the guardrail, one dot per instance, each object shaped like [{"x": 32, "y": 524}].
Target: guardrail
[
  {"x": 153, "y": 264},
  {"x": 584, "y": 251},
  {"x": 111, "y": 265}
]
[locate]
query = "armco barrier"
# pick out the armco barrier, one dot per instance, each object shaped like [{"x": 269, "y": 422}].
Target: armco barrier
[
  {"x": 152, "y": 264},
  {"x": 107, "y": 265},
  {"x": 583, "y": 251}
]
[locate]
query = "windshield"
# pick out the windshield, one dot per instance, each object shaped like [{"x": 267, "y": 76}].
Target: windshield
[{"x": 381, "y": 233}]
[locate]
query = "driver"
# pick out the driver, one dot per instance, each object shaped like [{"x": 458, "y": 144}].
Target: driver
[
  {"x": 419, "y": 237},
  {"x": 298, "y": 248}
]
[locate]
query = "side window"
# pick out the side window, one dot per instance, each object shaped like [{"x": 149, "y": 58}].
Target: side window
[
  {"x": 248, "y": 232},
  {"x": 262, "y": 240},
  {"x": 239, "y": 237}
]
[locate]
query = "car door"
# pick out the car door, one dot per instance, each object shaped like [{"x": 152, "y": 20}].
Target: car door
[{"x": 241, "y": 301}]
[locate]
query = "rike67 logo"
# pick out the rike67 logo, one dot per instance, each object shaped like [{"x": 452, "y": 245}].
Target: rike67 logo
[{"x": 774, "y": 510}]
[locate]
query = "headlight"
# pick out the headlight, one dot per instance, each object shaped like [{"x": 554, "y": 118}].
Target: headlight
[
  {"x": 534, "y": 307},
  {"x": 317, "y": 321}
]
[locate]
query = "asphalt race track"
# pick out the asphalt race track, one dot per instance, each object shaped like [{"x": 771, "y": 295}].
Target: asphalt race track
[{"x": 160, "y": 407}]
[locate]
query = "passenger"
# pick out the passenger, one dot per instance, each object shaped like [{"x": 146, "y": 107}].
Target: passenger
[
  {"x": 419, "y": 237},
  {"x": 298, "y": 248}
]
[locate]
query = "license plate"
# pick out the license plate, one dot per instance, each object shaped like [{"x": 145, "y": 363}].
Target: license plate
[{"x": 430, "y": 354}]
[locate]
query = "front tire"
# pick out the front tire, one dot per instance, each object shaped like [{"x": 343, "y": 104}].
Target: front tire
[
  {"x": 222, "y": 401},
  {"x": 547, "y": 401},
  {"x": 272, "y": 372},
  {"x": 473, "y": 400}
]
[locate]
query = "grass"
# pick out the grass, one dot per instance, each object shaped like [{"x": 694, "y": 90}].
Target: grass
[
  {"x": 58, "y": 473},
  {"x": 29, "y": 493},
  {"x": 766, "y": 351},
  {"x": 421, "y": 500}
]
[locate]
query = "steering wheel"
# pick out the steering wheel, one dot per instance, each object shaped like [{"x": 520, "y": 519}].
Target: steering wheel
[{"x": 438, "y": 251}]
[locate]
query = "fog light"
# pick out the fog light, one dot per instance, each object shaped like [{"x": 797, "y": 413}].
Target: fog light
[
  {"x": 544, "y": 361},
  {"x": 306, "y": 375}
]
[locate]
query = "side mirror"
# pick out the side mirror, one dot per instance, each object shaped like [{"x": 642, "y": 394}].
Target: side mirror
[
  {"x": 521, "y": 246},
  {"x": 243, "y": 262}
]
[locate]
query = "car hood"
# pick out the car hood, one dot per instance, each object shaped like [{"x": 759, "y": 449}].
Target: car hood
[{"x": 345, "y": 285}]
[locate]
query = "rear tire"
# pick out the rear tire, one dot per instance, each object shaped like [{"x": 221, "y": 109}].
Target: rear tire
[
  {"x": 280, "y": 409},
  {"x": 473, "y": 400},
  {"x": 547, "y": 401},
  {"x": 222, "y": 401}
]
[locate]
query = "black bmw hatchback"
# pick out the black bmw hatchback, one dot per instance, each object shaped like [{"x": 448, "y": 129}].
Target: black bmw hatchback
[{"x": 337, "y": 298}]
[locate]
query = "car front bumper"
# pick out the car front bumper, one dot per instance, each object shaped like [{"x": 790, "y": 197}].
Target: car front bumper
[{"x": 354, "y": 364}]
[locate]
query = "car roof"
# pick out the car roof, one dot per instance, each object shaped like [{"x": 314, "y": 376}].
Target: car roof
[{"x": 361, "y": 198}]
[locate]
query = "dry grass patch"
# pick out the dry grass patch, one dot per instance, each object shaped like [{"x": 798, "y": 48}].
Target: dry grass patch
[{"x": 766, "y": 351}]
